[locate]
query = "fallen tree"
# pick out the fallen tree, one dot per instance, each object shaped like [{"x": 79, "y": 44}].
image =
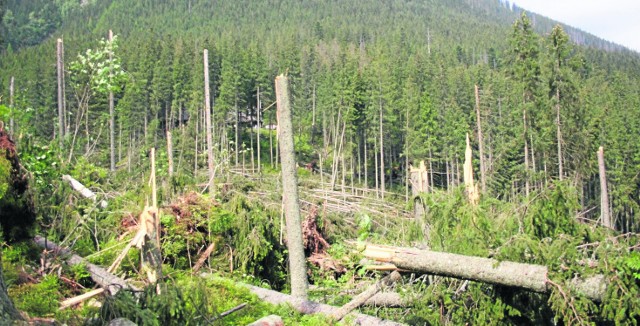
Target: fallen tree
[
  {"x": 310, "y": 307},
  {"x": 104, "y": 279},
  {"x": 526, "y": 276},
  {"x": 84, "y": 191}
]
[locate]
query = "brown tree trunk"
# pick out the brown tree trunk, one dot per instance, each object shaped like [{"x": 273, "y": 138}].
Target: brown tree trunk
[
  {"x": 382, "y": 181},
  {"x": 526, "y": 154},
  {"x": 297, "y": 261}
]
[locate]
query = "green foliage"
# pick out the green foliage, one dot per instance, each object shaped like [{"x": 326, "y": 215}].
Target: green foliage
[
  {"x": 633, "y": 263},
  {"x": 40, "y": 299},
  {"x": 554, "y": 213}
]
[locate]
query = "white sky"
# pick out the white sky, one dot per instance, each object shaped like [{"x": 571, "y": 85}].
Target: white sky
[{"x": 614, "y": 20}]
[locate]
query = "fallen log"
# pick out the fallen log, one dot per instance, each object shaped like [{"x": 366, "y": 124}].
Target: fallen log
[
  {"x": 361, "y": 298},
  {"x": 84, "y": 191},
  {"x": 204, "y": 257},
  {"x": 388, "y": 300},
  {"x": 310, "y": 307},
  {"x": 526, "y": 276},
  {"x": 104, "y": 279}
]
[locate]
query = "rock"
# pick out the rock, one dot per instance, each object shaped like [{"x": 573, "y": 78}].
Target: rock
[{"x": 122, "y": 322}]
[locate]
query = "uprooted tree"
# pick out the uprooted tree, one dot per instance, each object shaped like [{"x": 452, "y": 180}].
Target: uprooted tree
[{"x": 16, "y": 212}]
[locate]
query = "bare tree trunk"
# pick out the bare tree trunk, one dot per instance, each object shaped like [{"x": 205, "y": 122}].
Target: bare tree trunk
[
  {"x": 483, "y": 180},
  {"x": 112, "y": 119},
  {"x": 526, "y": 154},
  {"x": 559, "y": 136},
  {"x": 207, "y": 117},
  {"x": 259, "y": 116},
  {"x": 470, "y": 186},
  {"x": 604, "y": 193},
  {"x": 375, "y": 169},
  {"x": 407, "y": 175},
  {"x": 237, "y": 133},
  {"x": 11, "y": 121},
  {"x": 170, "y": 152},
  {"x": 382, "y": 181},
  {"x": 297, "y": 261},
  {"x": 60, "y": 95}
]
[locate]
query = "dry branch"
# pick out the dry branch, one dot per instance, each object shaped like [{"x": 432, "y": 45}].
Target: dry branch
[
  {"x": 310, "y": 307},
  {"x": 204, "y": 257},
  {"x": 84, "y": 191},
  {"x": 106, "y": 280},
  {"x": 361, "y": 298}
]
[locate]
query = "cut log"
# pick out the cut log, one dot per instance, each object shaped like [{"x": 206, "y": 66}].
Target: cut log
[
  {"x": 84, "y": 191},
  {"x": 104, "y": 279},
  {"x": 526, "y": 276},
  {"x": 388, "y": 300},
  {"x": 361, "y": 298}
]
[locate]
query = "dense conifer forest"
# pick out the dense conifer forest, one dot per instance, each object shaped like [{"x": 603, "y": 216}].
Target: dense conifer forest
[{"x": 394, "y": 105}]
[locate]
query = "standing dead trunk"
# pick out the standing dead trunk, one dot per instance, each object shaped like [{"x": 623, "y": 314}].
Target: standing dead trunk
[
  {"x": 207, "y": 118},
  {"x": 382, "y": 181},
  {"x": 526, "y": 154},
  {"x": 150, "y": 221},
  {"x": 259, "y": 117},
  {"x": 604, "y": 193},
  {"x": 11, "y": 120},
  {"x": 60, "y": 69},
  {"x": 112, "y": 118},
  {"x": 483, "y": 170},
  {"x": 469, "y": 185},
  {"x": 170, "y": 152},
  {"x": 559, "y": 136},
  {"x": 297, "y": 261},
  {"x": 419, "y": 184}
]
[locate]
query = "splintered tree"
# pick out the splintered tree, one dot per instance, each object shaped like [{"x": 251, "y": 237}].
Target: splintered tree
[{"x": 297, "y": 261}]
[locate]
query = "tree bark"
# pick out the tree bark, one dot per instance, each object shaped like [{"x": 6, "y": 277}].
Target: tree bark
[
  {"x": 60, "y": 69},
  {"x": 207, "y": 117},
  {"x": 259, "y": 123},
  {"x": 297, "y": 261},
  {"x": 604, "y": 193},
  {"x": 382, "y": 181},
  {"x": 483, "y": 180}
]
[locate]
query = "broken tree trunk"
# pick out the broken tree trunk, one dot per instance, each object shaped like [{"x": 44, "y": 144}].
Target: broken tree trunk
[
  {"x": 104, "y": 279},
  {"x": 470, "y": 186},
  {"x": 84, "y": 191},
  {"x": 605, "y": 215},
  {"x": 525, "y": 276},
  {"x": 419, "y": 184},
  {"x": 366, "y": 295},
  {"x": 297, "y": 260}
]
